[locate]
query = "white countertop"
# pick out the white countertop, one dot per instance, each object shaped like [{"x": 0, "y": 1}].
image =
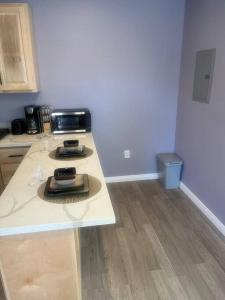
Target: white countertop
[{"x": 23, "y": 208}]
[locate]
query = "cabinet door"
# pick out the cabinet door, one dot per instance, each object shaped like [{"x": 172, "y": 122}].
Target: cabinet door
[
  {"x": 17, "y": 68},
  {"x": 8, "y": 171},
  {"x": 10, "y": 158},
  {"x": 12, "y": 155}
]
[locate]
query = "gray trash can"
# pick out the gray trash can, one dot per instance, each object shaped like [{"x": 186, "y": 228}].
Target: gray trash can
[{"x": 169, "y": 167}]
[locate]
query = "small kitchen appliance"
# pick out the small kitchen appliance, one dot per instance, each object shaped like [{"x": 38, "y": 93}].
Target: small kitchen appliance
[
  {"x": 18, "y": 126},
  {"x": 70, "y": 121},
  {"x": 32, "y": 119}
]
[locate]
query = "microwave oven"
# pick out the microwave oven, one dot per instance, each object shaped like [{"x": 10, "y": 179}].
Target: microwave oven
[{"x": 70, "y": 121}]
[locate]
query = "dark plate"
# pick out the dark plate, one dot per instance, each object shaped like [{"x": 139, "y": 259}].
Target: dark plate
[
  {"x": 67, "y": 190},
  {"x": 68, "y": 152}
]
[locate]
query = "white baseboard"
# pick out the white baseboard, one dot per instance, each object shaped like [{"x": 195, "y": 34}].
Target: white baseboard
[
  {"x": 204, "y": 209},
  {"x": 138, "y": 177}
]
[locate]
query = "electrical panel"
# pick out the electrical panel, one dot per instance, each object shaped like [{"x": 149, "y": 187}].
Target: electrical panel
[{"x": 203, "y": 79}]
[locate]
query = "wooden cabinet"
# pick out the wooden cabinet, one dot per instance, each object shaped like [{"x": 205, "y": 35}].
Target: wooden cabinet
[
  {"x": 17, "y": 63},
  {"x": 10, "y": 158},
  {"x": 7, "y": 171}
]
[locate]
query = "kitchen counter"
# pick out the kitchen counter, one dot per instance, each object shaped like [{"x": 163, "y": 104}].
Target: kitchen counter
[
  {"x": 24, "y": 209},
  {"x": 23, "y": 140},
  {"x": 40, "y": 245}
]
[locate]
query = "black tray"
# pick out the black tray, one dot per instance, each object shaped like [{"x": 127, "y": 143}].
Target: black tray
[
  {"x": 67, "y": 190},
  {"x": 69, "y": 153}
]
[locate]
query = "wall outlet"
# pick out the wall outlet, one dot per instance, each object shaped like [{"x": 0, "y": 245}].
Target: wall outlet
[{"x": 126, "y": 153}]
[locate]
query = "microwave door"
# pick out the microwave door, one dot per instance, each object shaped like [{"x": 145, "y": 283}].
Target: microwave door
[{"x": 69, "y": 123}]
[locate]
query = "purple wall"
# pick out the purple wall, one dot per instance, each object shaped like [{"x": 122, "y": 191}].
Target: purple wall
[
  {"x": 200, "y": 136},
  {"x": 119, "y": 58}
]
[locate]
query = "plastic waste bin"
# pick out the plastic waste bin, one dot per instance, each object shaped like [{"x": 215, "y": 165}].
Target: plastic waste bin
[{"x": 169, "y": 167}]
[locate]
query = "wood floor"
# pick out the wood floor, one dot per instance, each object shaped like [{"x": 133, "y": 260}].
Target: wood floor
[{"x": 160, "y": 248}]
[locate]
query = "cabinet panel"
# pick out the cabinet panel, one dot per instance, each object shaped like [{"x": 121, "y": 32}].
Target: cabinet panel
[
  {"x": 12, "y": 155},
  {"x": 13, "y": 62},
  {"x": 17, "y": 64},
  {"x": 8, "y": 171},
  {"x": 10, "y": 158}
]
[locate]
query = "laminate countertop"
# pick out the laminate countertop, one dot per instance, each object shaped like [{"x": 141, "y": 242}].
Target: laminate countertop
[{"x": 23, "y": 206}]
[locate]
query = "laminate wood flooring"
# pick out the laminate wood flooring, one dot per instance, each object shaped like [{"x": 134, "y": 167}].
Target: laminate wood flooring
[{"x": 161, "y": 247}]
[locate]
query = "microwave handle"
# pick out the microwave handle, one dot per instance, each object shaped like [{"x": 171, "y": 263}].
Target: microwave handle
[{"x": 66, "y": 113}]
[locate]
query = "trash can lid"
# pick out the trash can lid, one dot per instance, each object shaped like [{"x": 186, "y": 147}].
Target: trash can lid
[{"x": 170, "y": 159}]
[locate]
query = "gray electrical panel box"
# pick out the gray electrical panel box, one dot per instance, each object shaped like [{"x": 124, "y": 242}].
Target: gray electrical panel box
[{"x": 204, "y": 67}]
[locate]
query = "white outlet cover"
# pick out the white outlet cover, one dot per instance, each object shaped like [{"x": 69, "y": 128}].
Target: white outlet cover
[{"x": 126, "y": 153}]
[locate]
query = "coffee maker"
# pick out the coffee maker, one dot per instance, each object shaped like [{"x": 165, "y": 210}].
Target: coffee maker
[{"x": 32, "y": 119}]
